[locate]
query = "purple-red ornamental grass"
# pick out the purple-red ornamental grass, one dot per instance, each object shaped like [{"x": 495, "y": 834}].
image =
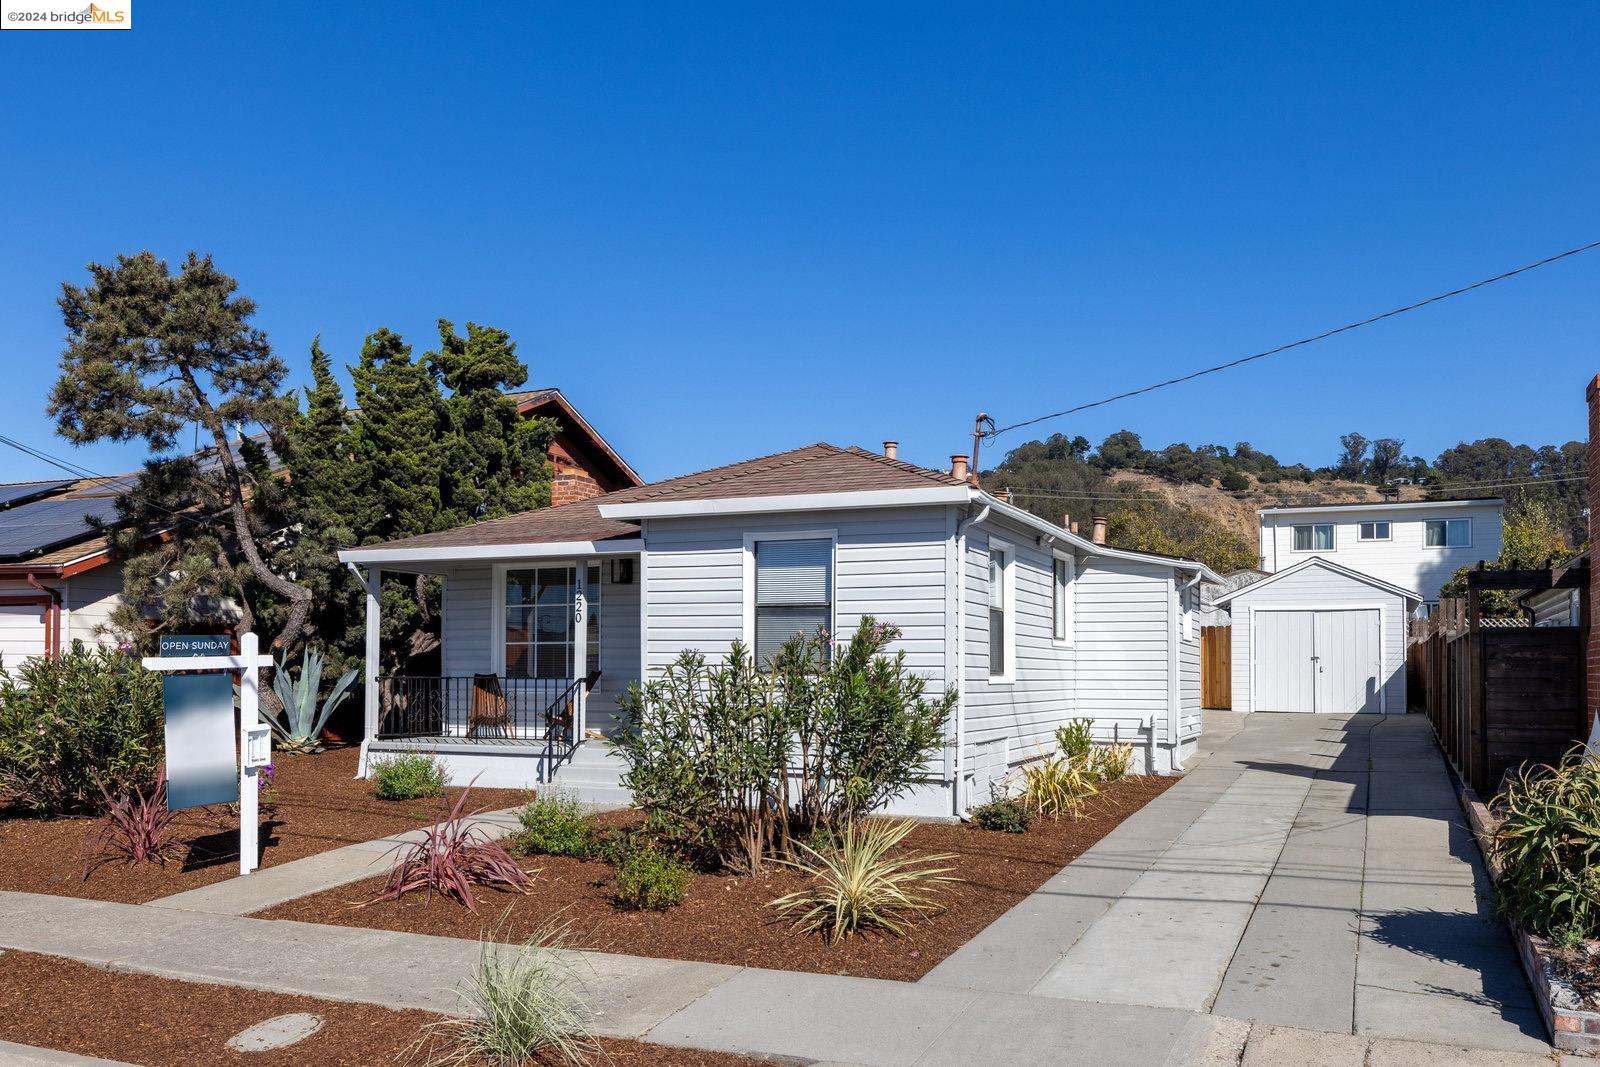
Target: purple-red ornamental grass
[
  {"x": 134, "y": 829},
  {"x": 451, "y": 858}
]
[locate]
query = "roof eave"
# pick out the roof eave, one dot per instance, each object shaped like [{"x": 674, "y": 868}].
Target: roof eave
[
  {"x": 1317, "y": 561},
  {"x": 1086, "y": 546},
  {"x": 556, "y": 396},
  {"x": 755, "y": 505},
  {"x": 1404, "y": 505},
  {"x": 378, "y": 555}
]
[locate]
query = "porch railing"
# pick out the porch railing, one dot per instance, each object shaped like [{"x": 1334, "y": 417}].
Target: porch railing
[{"x": 478, "y": 707}]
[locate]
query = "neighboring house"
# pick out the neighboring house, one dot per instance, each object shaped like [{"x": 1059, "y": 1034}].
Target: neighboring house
[
  {"x": 1320, "y": 637},
  {"x": 1413, "y": 545},
  {"x": 58, "y": 580},
  {"x": 584, "y": 463},
  {"x": 1030, "y": 623}
]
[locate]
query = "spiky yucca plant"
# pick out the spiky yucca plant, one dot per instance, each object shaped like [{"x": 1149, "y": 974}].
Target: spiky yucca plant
[
  {"x": 301, "y": 730},
  {"x": 1548, "y": 845},
  {"x": 1054, "y": 786},
  {"x": 857, "y": 883}
]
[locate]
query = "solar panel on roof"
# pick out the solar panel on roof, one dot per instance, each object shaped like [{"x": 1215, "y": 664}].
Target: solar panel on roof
[
  {"x": 23, "y": 491},
  {"x": 33, "y": 527}
]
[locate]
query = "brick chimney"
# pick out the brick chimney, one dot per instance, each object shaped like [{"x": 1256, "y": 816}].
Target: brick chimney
[
  {"x": 1066, "y": 520},
  {"x": 1592, "y": 653},
  {"x": 958, "y": 467},
  {"x": 1004, "y": 496},
  {"x": 1099, "y": 535},
  {"x": 891, "y": 449}
]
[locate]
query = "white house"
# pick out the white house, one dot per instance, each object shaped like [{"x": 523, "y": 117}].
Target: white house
[
  {"x": 1413, "y": 545},
  {"x": 555, "y": 612}
]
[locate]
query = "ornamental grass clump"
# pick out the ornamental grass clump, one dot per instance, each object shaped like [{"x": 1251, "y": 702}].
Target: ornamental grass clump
[
  {"x": 554, "y": 824},
  {"x": 1111, "y": 763},
  {"x": 451, "y": 858},
  {"x": 1548, "y": 848},
  {"x": 70, "y": 723},
  {"x": 407, "y": 776},
  {"x": 522, "y": 1004},
  {"x": 134, "y": 830},
  {"x": 860, "y": 883},
  {"x": 1053, "y": 786}
]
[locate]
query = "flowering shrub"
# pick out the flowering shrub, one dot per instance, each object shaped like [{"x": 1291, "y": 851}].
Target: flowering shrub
[{"x": 66, "y": 724}]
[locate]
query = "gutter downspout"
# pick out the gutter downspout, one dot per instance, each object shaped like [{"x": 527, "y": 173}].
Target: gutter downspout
[
  {"x": 1175, "y": 683},
  {"x": 52, "y": 624},
  {"x": 962, "y": 804}
]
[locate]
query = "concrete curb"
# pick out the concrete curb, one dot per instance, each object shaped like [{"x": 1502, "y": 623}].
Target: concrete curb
[{"x": 15, "y": 1055}]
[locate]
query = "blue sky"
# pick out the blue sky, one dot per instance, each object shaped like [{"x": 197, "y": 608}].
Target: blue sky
[{"x": 725, "y": 231}]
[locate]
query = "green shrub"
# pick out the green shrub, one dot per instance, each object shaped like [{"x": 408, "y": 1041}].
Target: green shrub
[
  {"x": 554, "y": 824},
  {"x": 407, "y": 776},
  {"x": 649, "y": 878},
  {"x": 1235, "y": 482},
  {"x": 612, "y": 846},
  {"x": 859, "y": 884},
  {"x": 68, "y": 724},
  {"x": 1548, "y": 846},
  {"x": 1004, "y": 814},
  {"x": 524, "y": 1004},
  {"x": 710, "y": 748},
  {"x": 1076, "y": 739}
]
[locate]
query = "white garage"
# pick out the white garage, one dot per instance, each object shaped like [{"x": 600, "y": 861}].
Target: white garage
[{"x": 1320, "y": 638}]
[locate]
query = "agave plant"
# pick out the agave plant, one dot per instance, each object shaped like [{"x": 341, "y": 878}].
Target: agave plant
[{"x": 305, "y": 720}]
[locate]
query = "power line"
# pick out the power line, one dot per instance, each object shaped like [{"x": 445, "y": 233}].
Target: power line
[{"x": 1346, "y": 328}]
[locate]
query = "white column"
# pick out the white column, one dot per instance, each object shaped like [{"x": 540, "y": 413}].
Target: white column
[
  {"x": 580, "y": 649},
  {"x": 374, "y": 594},
  {"x": 249, "y": 715}
]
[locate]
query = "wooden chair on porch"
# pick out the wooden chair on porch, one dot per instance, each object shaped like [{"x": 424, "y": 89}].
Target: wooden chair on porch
[{"x": 488, "y": 716}]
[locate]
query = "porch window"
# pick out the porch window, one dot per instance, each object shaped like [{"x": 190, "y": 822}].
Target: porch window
[
  {"x": 539, "y": 632},
  {"x": 794, "y": 591}
]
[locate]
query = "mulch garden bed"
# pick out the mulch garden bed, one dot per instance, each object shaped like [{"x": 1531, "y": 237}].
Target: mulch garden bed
[
  {"x": 61, "y": 1004},
  {"x": 725, "y": 919},
  {"x": 320, "y": 806}
]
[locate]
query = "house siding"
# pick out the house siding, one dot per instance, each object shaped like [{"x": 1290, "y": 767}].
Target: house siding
[
  {"x": 1318, "y": 587},
  {"x": 888, "y": 563},
  {"x": 1014, "y": 721},
  {"x": 1123, "y": 651},
  {"x": 1404, "y": 560},
  {"x": 88, "y": 599},
  {"x": 1189, "y": 669}
]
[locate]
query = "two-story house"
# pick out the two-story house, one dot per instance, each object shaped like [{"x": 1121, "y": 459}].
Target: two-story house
[
  {"x": 1324, "y": 628},
  {"x": 1416, "y": 545}
]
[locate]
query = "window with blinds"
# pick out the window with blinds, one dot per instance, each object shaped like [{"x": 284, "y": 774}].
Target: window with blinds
[{"x": 794, "y": 591}]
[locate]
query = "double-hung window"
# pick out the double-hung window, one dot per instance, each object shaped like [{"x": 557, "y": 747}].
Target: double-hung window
[
  {"x": 1314, "y": 537},
  {"x": 1000, "y": 613},
  {"x": 794, "y": 592},
  {"x": 1061, "y": 600},
  {"x": 1448, "y": 533},
  {"x": 1375, "y": 531}
]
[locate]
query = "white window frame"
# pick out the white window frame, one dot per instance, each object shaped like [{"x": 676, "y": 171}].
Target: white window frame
[
  {"x": 499, "y": 573},
  {"x": 1333, "y": 537},
  {"x": 1447, "y": 545},
  {"x": 1361, "y": 530},
  {"x": 1187, "y": 600},
  {"x": 1008, "y": 616},
  {"x": 748, "y": 583},
  {"x": 1063, "y": 591}
]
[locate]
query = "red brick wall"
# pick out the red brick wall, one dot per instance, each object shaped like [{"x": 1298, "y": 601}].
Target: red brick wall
[
  {"x": 572, "y": 479},
  {"x": 1593, "y": 651}
]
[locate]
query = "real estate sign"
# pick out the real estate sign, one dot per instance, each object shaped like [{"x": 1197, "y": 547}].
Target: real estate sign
[{"x": 201, "y": 755}]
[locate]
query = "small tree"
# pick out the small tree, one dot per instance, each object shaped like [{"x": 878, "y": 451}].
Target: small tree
[
  {"x": 1352, "y": 456},
  {"x": 149, "y": 353},
  {"x": 1530, "y": 538},
  {"x": 1386, "y": 455}
]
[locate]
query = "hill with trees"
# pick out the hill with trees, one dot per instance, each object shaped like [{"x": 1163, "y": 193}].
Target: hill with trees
[{"x": 1200, "y": 501}]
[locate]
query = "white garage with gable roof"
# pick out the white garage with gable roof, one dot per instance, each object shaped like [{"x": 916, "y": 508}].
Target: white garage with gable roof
[{"x": 1320, "y": 638}]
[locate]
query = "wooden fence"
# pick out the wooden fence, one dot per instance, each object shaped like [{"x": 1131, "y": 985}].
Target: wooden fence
[
  {"x": 1498, "y": 696},
  {"x": 1216, "y": 666}
]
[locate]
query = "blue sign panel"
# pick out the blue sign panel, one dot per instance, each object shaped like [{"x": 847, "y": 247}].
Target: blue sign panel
[{"x": 201, "y": 751}]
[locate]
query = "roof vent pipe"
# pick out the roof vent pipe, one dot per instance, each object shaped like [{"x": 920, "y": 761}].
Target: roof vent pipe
[
  {"x": 891, "y": 449},
  {"x": 1099, "y": 535},
  {"x": 958, "y": 467},
  {"x": 1074, "y": 526},
  {"x": 1066, "y": 520}
]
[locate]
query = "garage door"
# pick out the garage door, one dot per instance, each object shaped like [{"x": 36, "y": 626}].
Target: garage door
[{"x": 1318, "y": 661}]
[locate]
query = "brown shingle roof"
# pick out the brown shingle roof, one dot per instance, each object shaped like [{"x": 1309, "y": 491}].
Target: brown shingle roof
[{"x": 818, "y": 468}]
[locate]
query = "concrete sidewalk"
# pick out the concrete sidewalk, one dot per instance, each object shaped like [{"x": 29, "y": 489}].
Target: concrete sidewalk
[
  {"x": 772, "y": 1014},
  {"x": 1314, "y": 872}
]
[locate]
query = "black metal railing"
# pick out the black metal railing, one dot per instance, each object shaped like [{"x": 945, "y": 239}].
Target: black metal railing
[{"x": 478, "y": 707}]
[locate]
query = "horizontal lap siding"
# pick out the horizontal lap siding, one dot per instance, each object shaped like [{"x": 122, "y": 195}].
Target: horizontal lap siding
[
  {"x": 619, "y": 638},
  {"x": 89, "y": 600},
  {"x": 1026, "y": 711},
  {"x": 889, "y": 563},
  {"x": 468, "y": 604},
  {"x": 1313, "y": 588},
  {"x": 1122, "y": 646}
]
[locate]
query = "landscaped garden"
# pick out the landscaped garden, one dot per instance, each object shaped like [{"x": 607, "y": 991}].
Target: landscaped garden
[
  {"x": 80, "y": 791},
  {"x": 752, "y": 841}
]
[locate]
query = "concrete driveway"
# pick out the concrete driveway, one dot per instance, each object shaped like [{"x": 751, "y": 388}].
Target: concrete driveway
[{"x": 1311, "y": 871}]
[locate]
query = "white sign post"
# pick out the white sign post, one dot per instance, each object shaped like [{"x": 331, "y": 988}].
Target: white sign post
[{"x": 255, "y": 736}]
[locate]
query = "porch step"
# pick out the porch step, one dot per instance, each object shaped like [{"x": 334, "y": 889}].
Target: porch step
[{"x": 593, "y": 775}]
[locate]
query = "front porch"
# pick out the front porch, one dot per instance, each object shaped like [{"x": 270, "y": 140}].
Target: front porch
[{"x": 536, "y": 647}]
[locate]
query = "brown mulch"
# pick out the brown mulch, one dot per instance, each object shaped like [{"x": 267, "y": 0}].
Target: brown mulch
[
  {"x": 57, "y": 1003},
  {"x": 320, "y": 806},
  {"x": 725, "y": 919}
]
